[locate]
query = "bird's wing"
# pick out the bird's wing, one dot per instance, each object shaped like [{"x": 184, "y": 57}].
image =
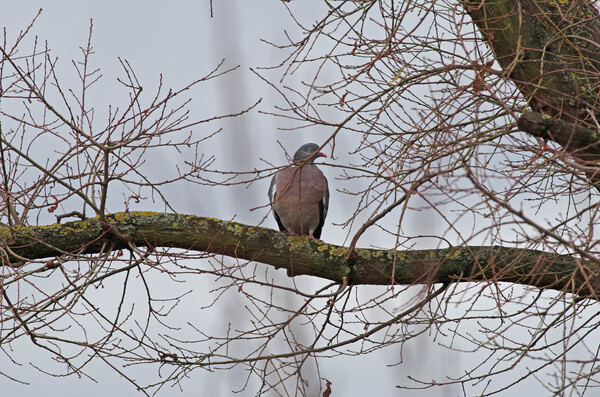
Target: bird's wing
[
  {"x": 272, "y": 199},
  {"x": 323, "y": 207}
]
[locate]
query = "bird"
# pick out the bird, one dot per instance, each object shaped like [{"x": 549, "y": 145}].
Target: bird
[{"x": 299, "y": 194}]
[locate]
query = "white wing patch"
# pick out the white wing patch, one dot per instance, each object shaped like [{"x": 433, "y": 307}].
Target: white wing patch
[{"x": 272, "y": 190}]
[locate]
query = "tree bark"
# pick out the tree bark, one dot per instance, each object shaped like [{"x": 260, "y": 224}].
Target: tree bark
[
  {"x": 582, "y": 142},
  {"x": 301, "y": 255},
  {"x": 550, "y": 49}
]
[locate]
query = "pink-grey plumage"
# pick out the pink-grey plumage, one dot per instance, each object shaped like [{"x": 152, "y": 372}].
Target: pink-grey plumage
[{"x": 299, "y": 194}]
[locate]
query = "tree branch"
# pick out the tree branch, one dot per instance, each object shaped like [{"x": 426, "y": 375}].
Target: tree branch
[
  {"x": 303, "y": 256},
  {"x": 549, "y": 49},
  {"x": 575, "y": 139}
]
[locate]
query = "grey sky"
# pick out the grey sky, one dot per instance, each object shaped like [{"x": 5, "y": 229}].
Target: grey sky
[{"x": 180, "y": 41}]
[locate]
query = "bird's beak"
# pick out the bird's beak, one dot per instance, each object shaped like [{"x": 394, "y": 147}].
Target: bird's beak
[{"x": 320, "y": 154}]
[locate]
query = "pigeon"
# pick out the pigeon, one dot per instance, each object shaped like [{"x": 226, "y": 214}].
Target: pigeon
[{"x": 299, "y": 194}]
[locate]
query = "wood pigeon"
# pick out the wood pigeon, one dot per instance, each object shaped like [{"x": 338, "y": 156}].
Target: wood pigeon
[{"x": 299, "y": 194}]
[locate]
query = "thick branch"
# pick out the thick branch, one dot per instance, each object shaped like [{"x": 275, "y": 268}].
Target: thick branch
[
  {"x": 551, "y": 51},
  {"x": 548, "y": 48},
  {"x": 302, "y": 256},
  {"x": 576, "y": 139}
]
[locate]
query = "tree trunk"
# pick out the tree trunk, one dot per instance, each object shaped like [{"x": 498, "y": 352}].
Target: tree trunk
[{"x": 551, "y": 51}]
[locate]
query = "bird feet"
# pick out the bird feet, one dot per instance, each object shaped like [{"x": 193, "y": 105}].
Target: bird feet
[{"x": 310, "y": 236}]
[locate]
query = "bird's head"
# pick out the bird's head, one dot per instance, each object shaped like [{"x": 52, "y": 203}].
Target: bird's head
[{"x": 308, "y": 152}]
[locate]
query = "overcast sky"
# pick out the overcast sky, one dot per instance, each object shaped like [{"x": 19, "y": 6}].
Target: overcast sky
[{"x": 182, "y": 42}]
